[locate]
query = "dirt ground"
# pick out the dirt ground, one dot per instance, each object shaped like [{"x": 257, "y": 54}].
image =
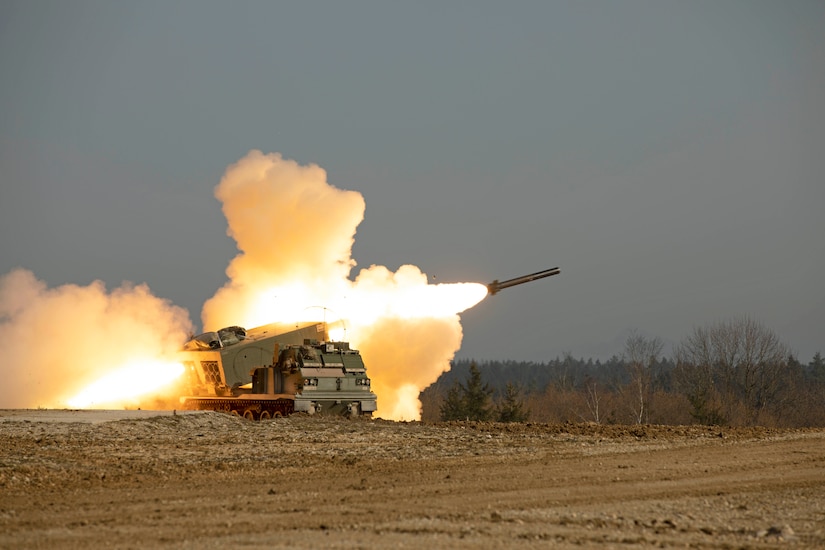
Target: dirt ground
[{"x": 69, "y": 480}]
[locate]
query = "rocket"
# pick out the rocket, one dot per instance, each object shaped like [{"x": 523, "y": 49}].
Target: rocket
[{"x": 497, "y": 286}]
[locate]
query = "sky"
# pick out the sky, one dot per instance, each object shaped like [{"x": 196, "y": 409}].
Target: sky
[{"x": 669, "y": 157}]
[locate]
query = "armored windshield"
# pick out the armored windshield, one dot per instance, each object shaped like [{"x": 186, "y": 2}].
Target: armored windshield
[
  {"x": 205, "y": 341},
  {"x": 231, "y": 335}
]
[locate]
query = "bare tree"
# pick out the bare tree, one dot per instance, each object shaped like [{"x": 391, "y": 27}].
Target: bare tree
[
  {"x": 640, "y": 355},
  {"x": 566, "y": 376},
  {"x": 732, "y": 372},
  {"x": 592, "y": 399},
  {"x": 694, "y": 375}
]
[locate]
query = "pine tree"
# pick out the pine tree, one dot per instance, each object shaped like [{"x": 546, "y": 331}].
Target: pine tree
[
  {"x": 453, "y": 406},
  {"x": 511, "y": 408},
  {"x": 470, "y": 401},
  {"x": 817, "y": 368},
  {"x": 476, "y": 396}
]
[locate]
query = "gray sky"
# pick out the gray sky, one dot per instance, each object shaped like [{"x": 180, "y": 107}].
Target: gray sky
[{"x": 668, "y": 156}]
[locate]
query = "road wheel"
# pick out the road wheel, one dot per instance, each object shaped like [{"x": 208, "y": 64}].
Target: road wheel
[
  {"x": 265, "y": 415},
  {"x": 249, "y": 414}
]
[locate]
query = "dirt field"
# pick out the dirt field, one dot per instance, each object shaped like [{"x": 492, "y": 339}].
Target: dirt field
[{"x": 211, "y": 480}]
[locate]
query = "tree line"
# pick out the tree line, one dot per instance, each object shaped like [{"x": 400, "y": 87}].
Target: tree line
[{"x": 735, "y": 372}]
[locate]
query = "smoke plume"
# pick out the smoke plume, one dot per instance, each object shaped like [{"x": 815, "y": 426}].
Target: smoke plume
[
  {"x": 57, "y": 341},
  {"x": 292, "y": 228},
  {"x": 81, "y": 346},
  {"x": 295, "y": 234}
]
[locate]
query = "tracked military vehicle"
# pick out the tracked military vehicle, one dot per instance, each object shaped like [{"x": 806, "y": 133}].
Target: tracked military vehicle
[{"x": 275, "y": 370}]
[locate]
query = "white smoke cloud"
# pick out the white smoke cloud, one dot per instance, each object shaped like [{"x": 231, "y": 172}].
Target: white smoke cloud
[
  {"x": 404, "y": 356},
  {"x": 290, "y": 226},
  {"x": 58, "y": 340},
  {"x": 295, "y": 234}
]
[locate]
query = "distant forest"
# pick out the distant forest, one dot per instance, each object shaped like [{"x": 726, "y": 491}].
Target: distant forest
[{"x": 733, "y": 373}]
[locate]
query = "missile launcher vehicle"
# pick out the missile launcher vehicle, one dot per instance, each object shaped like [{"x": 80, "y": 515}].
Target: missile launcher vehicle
[{"x": 275, "y": 370}]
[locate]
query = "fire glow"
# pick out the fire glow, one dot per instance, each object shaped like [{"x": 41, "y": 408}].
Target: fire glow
[
  {"x": 361, "y": 306},
  {"x": 127, "y": 383}
]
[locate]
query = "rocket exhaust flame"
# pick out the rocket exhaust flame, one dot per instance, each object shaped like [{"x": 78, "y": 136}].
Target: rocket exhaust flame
[{"x": 128, "y": 383}]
